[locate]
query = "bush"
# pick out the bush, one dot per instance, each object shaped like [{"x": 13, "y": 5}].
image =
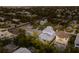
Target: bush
[
  {"x": 5, "y": 42},
  {"x": 70, "y": 48}
]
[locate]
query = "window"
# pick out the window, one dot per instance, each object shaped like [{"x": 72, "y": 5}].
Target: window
[{"x": 77, "y": 44}]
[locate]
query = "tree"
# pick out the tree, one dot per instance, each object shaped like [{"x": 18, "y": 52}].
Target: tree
[
  {"x": 20, "y": 40},
  {"x": 70, "y": 48}
]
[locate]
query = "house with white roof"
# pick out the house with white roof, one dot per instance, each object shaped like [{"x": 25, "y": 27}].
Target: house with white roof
[
  {"x": 77, "y": 41},
  {"x": 2, "y": 18},
  {"x": 22, "y": 50},
  {"x": 48, "y": 34},
  {"x": 4, "y": 33},
  {"x": 16, "y": 20},
  {"x": 42, "y": 22}
]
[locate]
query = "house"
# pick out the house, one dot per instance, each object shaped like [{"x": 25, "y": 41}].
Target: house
[
  {"x": 22, "y": 50},
  {"x": 12, "y": 25},
  {"x": 61, "y": 40},
  {"x": 4, "y": 33},
  {"x": 42, "y": 22},
  {"x": 77, "y": 41},
  {"x": 29, "y": 30},
  {"x": 11, "y": 13},
  {"x": 48, "y": 34},
  {"x": 32, "y": 32},
  {"x": 16, "y": 20},
  {"x": 26, "y": 12},
  {"x": 5, "y": 24},
  {"x": 2, "y": 19},
  {"x": 10, "y": 48},
  {"x": 8, "y": 23},
  {"x": 2, "y": 23}
]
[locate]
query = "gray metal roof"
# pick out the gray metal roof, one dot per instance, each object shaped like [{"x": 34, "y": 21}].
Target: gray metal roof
[
  {"x": 22, "y": 50},
  {"x": 77, "y": 41}
]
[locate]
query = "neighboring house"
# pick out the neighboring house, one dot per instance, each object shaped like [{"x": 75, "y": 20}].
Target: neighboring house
[
  {"x": 1, "y": 23},
  {"x": 5, "y": 34},
  {"x": 28, "y": 26},
  {"x": 48, "y": 34},
  {"x": 11, "y": 13},
  {"x": 22, "y": 50},
  {"x": 61, "y": 40},
  {"x": 13, "y": 25},
  {"x": 16, "y": 20},
  {"x": 10, "y": 48},
  {"x": 2, "y": 18},
  {"x": 32, "y": 32},
  {"x": 26, "y": 12},
  {"x": 29, "y": 30},
  {"x": 8, "y": 23},
  {"x": 42, "y": 22},
  {"x": 14, "y": 31},
  {"x": 77, "y": 41}
]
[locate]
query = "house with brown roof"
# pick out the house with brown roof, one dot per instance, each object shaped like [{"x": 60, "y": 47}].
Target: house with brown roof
[{"x": 61, "y": 40}]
